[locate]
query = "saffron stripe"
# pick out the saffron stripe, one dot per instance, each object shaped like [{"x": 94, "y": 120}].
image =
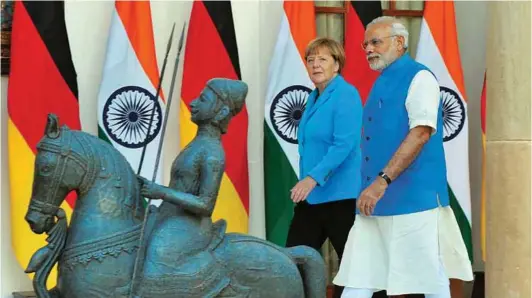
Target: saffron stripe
[
  {"x": 440, "y": 17},
  {"x": 300, "y": 15},
  {"x": 136, "y": 18}
]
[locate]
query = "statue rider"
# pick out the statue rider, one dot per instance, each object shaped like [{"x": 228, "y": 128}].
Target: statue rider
[{"x": 183, "y": 228}]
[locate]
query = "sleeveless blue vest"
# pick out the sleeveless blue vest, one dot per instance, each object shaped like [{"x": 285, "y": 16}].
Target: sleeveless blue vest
[{"x": 422, "y": 185}]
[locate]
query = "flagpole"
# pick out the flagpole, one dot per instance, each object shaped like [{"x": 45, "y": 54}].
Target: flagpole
[
  {"x": 165, "y": 122},
  {"x": 156, "y": 101}
]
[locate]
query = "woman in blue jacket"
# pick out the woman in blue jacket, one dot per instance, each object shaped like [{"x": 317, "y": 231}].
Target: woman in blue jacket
[{"x": 329, "y": 149}]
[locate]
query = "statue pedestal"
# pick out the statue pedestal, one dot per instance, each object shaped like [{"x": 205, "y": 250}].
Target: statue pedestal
[{"x": 30, "y": 294}]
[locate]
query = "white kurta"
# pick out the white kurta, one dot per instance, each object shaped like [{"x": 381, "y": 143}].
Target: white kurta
[
  {"x": 402, "y": 254},
  {"x": 410, "y": 253}
]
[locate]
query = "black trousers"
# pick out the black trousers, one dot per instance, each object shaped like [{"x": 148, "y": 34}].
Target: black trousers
[{"x": 313, "y": 224}]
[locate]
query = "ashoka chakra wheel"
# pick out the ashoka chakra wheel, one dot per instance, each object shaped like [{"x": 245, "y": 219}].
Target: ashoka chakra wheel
[
  {"x": 454, "y": 114},
  {"x": 126, "y": 116},
  {"x": 286, "y": 111}
]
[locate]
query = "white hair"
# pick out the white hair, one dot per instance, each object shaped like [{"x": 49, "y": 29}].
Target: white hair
[{"x": 398, "y": 28}]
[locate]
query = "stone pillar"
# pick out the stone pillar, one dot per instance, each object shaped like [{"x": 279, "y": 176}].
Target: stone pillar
[{"x": 508, "y": 160}]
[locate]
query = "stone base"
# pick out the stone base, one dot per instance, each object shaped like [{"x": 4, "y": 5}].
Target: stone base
[
  {"x": 30, "y": 294},
  {"x": 330, "y": 289}
]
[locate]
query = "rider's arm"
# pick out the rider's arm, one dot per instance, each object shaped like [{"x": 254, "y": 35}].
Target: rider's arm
[{"x": 203, "y": 205}]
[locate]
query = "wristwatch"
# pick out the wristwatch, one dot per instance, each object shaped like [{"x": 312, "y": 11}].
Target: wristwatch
[{"x": 385, "y": 177}]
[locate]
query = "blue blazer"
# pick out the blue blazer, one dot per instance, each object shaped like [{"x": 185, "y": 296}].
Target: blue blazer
[{"x": 329, "y": 142}]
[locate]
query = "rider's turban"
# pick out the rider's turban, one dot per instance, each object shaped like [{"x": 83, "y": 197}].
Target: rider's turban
[{"x": 231, "y": 92}]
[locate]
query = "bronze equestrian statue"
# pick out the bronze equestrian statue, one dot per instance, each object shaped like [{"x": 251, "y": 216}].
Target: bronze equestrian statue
[{"x": 186, "y": 254}]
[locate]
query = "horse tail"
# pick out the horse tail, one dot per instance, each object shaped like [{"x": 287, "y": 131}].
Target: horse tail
[{"x": 312, "y": 269}]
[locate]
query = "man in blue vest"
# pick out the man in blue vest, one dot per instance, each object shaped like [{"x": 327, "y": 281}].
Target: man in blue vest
[{"x": 406, "y": 239}]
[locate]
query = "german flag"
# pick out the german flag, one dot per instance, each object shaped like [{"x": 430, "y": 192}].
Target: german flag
[
  {"x": 211, "y": 51},
  {"x": 356, "y": 70},
  {"x": 42, "y": 80}
]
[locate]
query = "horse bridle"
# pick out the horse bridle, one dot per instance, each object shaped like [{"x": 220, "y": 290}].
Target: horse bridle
[{"x": 65, "y": 153}]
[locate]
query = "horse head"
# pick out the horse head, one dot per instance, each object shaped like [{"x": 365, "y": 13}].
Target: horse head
[
  {"x": 108, "y": 215},
  {"x": 59, "y": 169}
]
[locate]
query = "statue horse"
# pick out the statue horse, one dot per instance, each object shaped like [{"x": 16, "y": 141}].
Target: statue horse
[{"x": 96, "y": 254}]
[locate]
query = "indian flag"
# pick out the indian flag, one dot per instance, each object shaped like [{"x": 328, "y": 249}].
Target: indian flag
[
  {"x": 288, "y": 88},
  {"x": 126, "y": 99},
  {"x": 438, "y": 50}
]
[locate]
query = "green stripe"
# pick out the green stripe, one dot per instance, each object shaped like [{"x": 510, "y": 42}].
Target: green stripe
[
  {"x": 279, "y": 178},
  {"x": 463, "y": 223},
  {"x": 102, "y": 135}
]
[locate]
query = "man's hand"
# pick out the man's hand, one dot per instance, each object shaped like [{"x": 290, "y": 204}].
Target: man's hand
[
  {"x": 371, "y": 195},
  {"x": 301, "y": 190},
  {"x": 148, "y": 189}
]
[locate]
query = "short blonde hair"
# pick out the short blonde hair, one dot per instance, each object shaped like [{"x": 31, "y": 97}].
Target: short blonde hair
[{"x": 335, "y": 48}]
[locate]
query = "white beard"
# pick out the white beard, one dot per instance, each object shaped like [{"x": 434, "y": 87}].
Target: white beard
[
  {"x": 382, "y": 61},
  {"x": 378, "y": 64}
]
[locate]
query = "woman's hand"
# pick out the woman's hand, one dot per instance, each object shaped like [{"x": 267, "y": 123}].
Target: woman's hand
[
  {"x": 148, "y": 189},
  {"x": 301, "y": 190},
  {"x": 370, "y": 196}
]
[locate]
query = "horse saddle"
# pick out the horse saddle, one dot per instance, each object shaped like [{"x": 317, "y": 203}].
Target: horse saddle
[
  {"x": 200, "y": 275},
  {"x": 218, "y": 233}
]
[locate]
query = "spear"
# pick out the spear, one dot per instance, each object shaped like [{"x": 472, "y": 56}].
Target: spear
[
  {"x": 159, "y": 149},
  {"x": 165, "y": 122},
  {"x": 156, "y": 102}
]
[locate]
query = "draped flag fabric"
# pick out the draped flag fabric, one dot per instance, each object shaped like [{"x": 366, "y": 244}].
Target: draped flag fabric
[
  {"x": 42, "y": 80},
  {"x": 211, "y": 51},
  {"x": 288, "y": 88},
  {"x": 438, "y": 50},
  {"x": 126, "y": 99},
  {"x": 356, "y": 70},
  {"x": 483, "y": 196}
]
